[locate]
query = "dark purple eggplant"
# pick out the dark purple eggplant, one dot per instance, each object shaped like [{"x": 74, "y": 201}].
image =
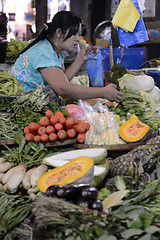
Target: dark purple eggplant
[
  {"x": 90, "y": 193},
  {"x": 71, "y": 191},
  {"x": 64, "y": 193},
  {"x": 82, "y": 202},
  {"x": 79, "y": 187},
  {"x": 52, "y": 190},
  {"x": 96, "y": 205}
]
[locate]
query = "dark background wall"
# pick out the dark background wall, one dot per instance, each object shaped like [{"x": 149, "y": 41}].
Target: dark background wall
[
  {"x": 95, "y": 11},
  {"x": 92, "y": 12}
]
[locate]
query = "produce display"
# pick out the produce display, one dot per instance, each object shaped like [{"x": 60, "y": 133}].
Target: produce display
[
  {"x": 8, "y": 128},
  {"x": 59, "y": 192},
  {"x": 138, "y": 98},
  {"x": 14, "y": 48},
  {"x": 81, "y": 194},
  {"x": 9, "y": 86},
  {"x": 56, "y": 127}
]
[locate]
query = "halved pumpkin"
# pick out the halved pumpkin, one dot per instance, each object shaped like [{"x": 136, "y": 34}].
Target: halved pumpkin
[
  {"x": 133, "y": 130},
  {"x": 78, "y": 170}
]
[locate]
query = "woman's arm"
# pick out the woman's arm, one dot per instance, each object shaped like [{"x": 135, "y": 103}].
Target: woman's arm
[
  {"x": 74, "y": 68},
  {"x": 59, "y": 83}
]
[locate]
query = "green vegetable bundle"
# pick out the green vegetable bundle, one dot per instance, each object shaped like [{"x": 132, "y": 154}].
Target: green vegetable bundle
[
  {"x": 13, "y": 210},
  {"x": 143, "y": 105},
  {"x": 28, "y": 107},
  {"x": 14, "y": 48},
  {"x": 9, "y": 85},
  {"x": 8, "y": 128}
]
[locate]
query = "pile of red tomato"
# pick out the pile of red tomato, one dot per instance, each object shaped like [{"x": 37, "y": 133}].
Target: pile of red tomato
[{"x": 53, "y": 127}]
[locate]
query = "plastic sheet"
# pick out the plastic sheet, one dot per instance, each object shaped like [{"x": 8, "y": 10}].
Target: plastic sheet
[{"x": 137, "y": 36}]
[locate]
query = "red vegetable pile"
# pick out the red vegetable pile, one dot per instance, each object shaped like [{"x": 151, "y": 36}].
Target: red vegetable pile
[{"x": 53, "y": 127}]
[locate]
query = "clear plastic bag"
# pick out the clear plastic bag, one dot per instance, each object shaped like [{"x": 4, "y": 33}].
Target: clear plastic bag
[{"x": 104, "y": 129}]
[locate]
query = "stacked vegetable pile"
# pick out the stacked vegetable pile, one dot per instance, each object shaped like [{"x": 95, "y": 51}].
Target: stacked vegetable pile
[
  {"x": 81, "y": 194},
  {"x": 83, "y": 222},
  {"x": 115, "y": 198},
  {"x": 137, "y": 217},
  {"x": 8, "y": 128},
  {"x": 14, "y": 48},
  {"x": 56, "y": 127},
  {"x": 9, "y": 86},
  {"x": 28, "y": 107},
  {"x": 140, "y": 97}
]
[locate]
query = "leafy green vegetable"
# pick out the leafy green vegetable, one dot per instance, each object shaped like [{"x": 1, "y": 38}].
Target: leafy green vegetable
[
  {"x": 9, "y": 85},
  {"x": 28, "y": 108},
  {"x": 13, "y": 210},
  {"x": 117, "y": 72},
  {"x": 31, "y": 153},
  {"x": 14, "y": 48}
]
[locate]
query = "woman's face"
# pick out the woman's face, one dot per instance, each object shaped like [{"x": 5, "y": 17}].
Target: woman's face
[{"x": 70, "y": 44}]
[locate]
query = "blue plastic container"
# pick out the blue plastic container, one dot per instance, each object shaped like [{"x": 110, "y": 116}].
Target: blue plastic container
[{"x": 132, "y": 58}]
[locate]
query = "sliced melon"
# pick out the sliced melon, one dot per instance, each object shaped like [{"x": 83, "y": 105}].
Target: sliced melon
[
  {"x": 100, "y": 172},
  {"x": 78, "y": 170},
  {"x": 97, "y": 154}
]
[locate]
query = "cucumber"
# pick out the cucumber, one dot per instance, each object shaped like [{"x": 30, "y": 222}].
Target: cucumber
[
  {"x": 98, "y": 154},
  {"x": 100, "y": 172}
]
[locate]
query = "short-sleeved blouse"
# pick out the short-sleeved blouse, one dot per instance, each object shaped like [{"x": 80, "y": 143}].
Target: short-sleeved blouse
[{"x": 40, "y": 55}]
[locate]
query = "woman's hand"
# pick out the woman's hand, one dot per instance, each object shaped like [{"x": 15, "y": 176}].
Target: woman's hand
[
  {"x": 112, "y": 94},
  {"x": 83, "y": 52}
]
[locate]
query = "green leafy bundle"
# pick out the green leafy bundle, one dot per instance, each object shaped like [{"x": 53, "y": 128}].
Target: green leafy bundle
[
  {"x": 28, "y": 108},
  {"x": 143, "y": 105},
  {"x": 31, "y": 153},
  {"x": 14, "y": 48},
  {"x": 9, "y": 85},
  {"x": 8, "y": 128},
  {"x": 13, "y": 210}
]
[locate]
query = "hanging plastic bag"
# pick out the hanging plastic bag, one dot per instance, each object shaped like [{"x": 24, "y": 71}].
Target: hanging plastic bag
[
  {"x": 95, "y": 68},
  {"x": 139, "y": 34}
]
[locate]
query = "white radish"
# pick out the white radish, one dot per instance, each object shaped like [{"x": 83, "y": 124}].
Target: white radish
[
  {"x": 16, "y": 178},
  {"x": 33, "y": 196},
  {"x": 26, "y": 180},
  {"x": 1, "y": 176},
  {"x": 6, "y": 175},
  {"x": 5, "y": 187},
  {"x": 37, "y": 173},
  {"x": 33, "y": 190},
  {"x": 4, "y": 167},
  {"x": 1, "y": 186},
  {"x": 1, "y": 160}
]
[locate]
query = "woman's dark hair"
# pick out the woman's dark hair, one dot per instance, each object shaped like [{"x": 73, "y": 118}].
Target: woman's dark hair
[
  {"x": 65, "y": 20},
  {"x": 3, "y": 27}
]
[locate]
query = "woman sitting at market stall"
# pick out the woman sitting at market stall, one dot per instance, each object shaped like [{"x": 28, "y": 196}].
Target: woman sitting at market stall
[{"x": 43, "y": 62}]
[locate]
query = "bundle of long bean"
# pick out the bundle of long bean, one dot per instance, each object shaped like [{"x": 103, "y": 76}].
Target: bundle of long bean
[
  {"x": 8, "y": 128},
  {"x": 13, "y": 210},
  {"x": 9, "y": 85}
]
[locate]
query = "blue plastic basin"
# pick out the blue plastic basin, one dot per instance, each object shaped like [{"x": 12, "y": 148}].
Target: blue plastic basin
[{"x": 133, "y": 58}]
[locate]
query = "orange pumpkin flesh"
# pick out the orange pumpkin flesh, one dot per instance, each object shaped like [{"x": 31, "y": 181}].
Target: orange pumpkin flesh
[
  {"x": 133, "y": 130},
  {"x": 78, "y": 170}
]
